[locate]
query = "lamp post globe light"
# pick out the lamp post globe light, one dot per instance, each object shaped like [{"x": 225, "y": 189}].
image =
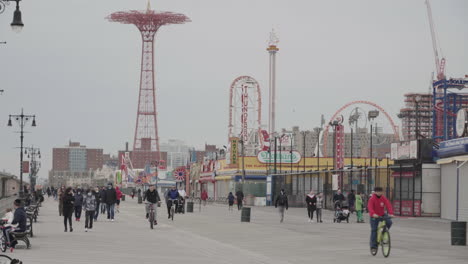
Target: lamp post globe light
[
  {"x": 22, "y": 120},
  {"x": 17, "y": 23}
]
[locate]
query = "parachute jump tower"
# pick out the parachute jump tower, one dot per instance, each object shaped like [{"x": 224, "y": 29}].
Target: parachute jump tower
[{"x": 148, "y": 22}]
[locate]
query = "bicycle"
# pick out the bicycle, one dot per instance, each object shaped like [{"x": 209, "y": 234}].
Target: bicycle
[
  {"x": 173, "y": 205},
  {"x": 4, "y": 259},
  {"x": 151, "y": 215},
  {"x": 383, "y": 238}
]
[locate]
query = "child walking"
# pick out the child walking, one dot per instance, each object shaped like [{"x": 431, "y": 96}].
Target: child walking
[
  {"x": 89, "y": 206},
  {"x": 358, "y": 207},
  {"x": 231, "y": 200}
]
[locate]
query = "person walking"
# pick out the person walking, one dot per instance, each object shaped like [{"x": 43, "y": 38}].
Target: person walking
[
  {"x": 60, "y": 194},
  {"x": 97, "y": 197},
  {"x": 89, "y": 206},
  {"x": 231, "y": 199},
  {"x": 119, "y": 196},
  {"x": 282, "y": 202},
  {"x": 319, "y": 207},
  {"x": 240, "y": 198},
  {"x": 204, "y": 197},
  {"x": 78, "y": 204},
  {"x": 102, "y": 195},
  {"x": 110, "y": 199},
  {"x": 351, "y": 201},
  {"x": 358, "y": 208},
  {"x": 68, "y": 205},
  {"x": 133, "y": 193},
  {"x": 311, "y": 201}
]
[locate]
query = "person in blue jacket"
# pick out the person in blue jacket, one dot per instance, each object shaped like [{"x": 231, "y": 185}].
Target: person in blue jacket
[{"x": 172, "y": 195}]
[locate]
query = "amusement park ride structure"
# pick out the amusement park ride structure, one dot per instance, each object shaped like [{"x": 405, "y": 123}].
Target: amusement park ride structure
[{"x": 146, "y": 141}]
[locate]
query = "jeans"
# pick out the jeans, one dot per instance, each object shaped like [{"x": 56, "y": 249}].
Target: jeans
[
  {"x": 103, "y": 208},
  {"x": 147, "y": 208},
  {"x": 110, "y": 211},
  {"x": 96, "y": 213},
  {"x": 374, "y": 222},
  {"x": 78, "y": 211},
  {"x": 239, "y": 204},
  {"x": 318, "y": 212},
  {"x": 6, "y": 233},
  {"x": 310, "y": 212},
  {"x": 89, "y": 219},
  {"x": 281, "y": 212},
  {"x": 169, "y": 204}
]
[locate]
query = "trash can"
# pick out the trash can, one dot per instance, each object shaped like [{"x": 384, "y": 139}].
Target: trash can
[
  {"x": 123, "y": 197},
  {"x": 189, "y": 207},
  {"x": 458, "y": 233},
  {"x": 245, "y": 214}
]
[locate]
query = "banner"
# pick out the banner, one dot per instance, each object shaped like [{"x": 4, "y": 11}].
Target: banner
[
  {"x": 335, "y": 182},
  {"x": 234, "y": 150},
  {"x": 25, "y": 166},
  {"x": 281, "y": 157}
]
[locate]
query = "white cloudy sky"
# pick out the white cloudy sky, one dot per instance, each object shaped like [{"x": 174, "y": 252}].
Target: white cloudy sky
[{"x": 79, "y": 73}]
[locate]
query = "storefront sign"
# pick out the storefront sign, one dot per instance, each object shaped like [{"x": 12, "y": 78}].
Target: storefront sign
[
  {"x": 407, "y": 207},
  {"x": 404, "y": 150},
  {"x": 281, "y": 157},
  {"x": 453, "y": 147},
  {"x": 234, "y": 150}
]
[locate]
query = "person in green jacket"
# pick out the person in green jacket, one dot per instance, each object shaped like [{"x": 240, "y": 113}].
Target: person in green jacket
[{"x": 358, "y": 207}]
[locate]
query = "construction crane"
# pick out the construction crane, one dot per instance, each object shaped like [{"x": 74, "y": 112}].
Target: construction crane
[{"x": 440, "y": 64}]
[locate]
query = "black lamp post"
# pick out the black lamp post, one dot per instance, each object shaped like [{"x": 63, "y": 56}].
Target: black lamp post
[
  {"x": 35, "y": 165},
  {"x": 17, "y": 24},
  {"x": 22, "y": 121},
  {"x": 304, "y": 134}
]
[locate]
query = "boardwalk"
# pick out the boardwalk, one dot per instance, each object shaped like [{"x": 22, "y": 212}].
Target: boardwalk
[{"x": 217, "y": 236}]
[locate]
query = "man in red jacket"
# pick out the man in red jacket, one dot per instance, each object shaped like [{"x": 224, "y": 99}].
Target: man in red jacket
[{"x": 377, "y": 204}]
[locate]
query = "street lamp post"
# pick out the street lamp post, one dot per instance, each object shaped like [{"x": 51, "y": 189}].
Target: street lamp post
[
  {"x": 33, "y": 154},
  {"x": 17, "y": 23},
  {"x": 304, "y": 133},
  {"x": 334, "y": 124},
  {"x": 371, "y": 116},
  {"x": 22, "y": 120}
]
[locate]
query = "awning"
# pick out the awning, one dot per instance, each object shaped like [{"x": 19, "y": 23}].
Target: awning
[
  {"x": 452, "y": 159},
  {"x": 406, "y": 174}
]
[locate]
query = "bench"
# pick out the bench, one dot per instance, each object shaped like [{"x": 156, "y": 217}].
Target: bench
[{"x": 22, "y": 236}]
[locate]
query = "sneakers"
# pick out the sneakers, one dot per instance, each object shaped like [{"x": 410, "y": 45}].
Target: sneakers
[
  {"x": 71, "y": 229},
  {"x": 147, "y": 215},
  {"x": 86, "y": 229},
  {"x": 112, "y": 220},
  {"x": 155, "y": 222},
  {"x": 308, "y": 220},
  {"x": 311, "y": 220}
]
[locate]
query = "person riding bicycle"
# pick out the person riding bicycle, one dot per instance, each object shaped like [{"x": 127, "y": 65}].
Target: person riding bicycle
[
  {"x": 376, "y": 205},
  {"x": 152, "y": 196},
  {"x": 172, "y": 195}
]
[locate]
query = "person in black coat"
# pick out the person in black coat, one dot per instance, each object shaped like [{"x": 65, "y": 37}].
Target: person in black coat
[
  {"x": 19, "y": 219},
  {"x": 338, "y": 198},
  {"x": 68, "y": 206},
  {"x": 282, "y": 202},
  {"x": 78, "y": 204},
  {"x": 97, "y": 195},
  {"x": 110, "y": 198},
  {"x": 102, "y": 196},
  {"x": 311, "y": 201}
]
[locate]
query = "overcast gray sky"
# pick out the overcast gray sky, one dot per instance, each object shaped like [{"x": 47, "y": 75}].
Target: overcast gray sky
[{"x": 79, "y": 73}]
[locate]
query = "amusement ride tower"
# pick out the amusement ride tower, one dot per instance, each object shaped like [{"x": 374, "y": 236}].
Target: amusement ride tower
[{"x": 146, "y": 140}]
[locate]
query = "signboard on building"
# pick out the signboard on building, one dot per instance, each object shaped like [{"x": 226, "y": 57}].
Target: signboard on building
[
  {"x": 407, "y": 207},
  {"x": 453, "y": 147},
  {"x": 234, "y": 150},
  {"x": 281, "y": 157},
  {"x": 404, "y": 150}
]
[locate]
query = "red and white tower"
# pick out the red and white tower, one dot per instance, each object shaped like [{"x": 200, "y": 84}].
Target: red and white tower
[
  {"x": 146, "y": 140},
  {"x": 272, "y": 49}
]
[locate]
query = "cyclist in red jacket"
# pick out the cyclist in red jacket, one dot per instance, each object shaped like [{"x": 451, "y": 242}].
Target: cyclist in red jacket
[{"x": 376, "y": 206}]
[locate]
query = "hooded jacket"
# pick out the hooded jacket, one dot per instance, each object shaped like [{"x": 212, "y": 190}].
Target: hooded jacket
[
  {"x": 378, "y": 204},
  {"x": 118, "y": 192},
  {"x": 78, "y": 199},
  {"x": 311, "y": 201},
  {"x": 152, "y": 196},
  {"x": 282, "y": 200},
  {"x": 89, "y": 203},
  {"x": 358, "y": 205},
  {"x": 110, "y": 196}
]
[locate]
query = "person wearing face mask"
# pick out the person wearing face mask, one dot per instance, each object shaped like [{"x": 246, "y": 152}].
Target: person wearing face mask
[
  {"x": 78, "y": 204},
  {"x": 376, "y": 206},
  {"x": 89, "y": 206},
  {"x": 282, "y": 202},
  {"x": 110, "y": 200},
  {"x": 68, "y": 201}
]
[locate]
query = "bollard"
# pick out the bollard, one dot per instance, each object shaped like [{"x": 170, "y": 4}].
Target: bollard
[
  {"x": 458, "y": 233},
  {"x": 123, "y": 197},
  {"x": 189, "y": 207},
  {"x": 245, "y": 215}
]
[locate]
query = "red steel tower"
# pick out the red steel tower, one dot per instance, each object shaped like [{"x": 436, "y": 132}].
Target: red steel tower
[{"x": 146, "y": 138}]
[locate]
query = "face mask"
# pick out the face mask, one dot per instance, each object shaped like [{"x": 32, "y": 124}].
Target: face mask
[
  {"x": 79, "y": 193},
  {"x": 89, "y": 194},
  {"x": 109, "y": 187}
]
